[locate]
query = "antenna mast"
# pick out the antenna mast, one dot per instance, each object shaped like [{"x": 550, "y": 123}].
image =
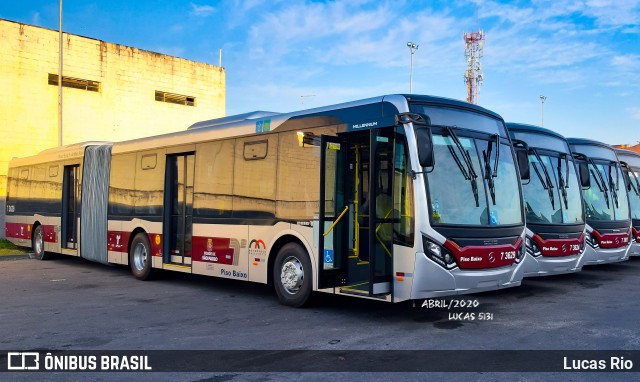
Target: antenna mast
[{"x": 473, "y": 50}]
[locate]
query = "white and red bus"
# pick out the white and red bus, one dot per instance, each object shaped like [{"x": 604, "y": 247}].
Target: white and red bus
[
  {"x": 630, "y": 161},
  {"x": 553, "y": 203},
  {"x": 606, "y": 205},
  {"x": 392, "y": 198}
]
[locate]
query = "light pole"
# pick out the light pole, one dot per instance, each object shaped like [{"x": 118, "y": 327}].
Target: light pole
[
  {"x": 60, "y": 79},
  {"x": 413, "y": 47},
  {"x": 542, "y": 99}
]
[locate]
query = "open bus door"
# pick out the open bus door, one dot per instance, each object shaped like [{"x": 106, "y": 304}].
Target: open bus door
[
  {"x": 356, "y": 212},
  {"x": 70, "y": 207},
  {"x": 178, "y": 213},
  {"x": 333, "y": 243}
]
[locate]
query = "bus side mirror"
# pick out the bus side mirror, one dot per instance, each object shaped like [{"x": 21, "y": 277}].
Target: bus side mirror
[
  {"x": 585, "y": 179},
  {"x": 523, "y": 163},
  {"x": 424, "y": 140}
]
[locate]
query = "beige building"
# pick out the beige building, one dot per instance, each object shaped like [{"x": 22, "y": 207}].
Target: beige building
[{"x": 111, "y": 92}]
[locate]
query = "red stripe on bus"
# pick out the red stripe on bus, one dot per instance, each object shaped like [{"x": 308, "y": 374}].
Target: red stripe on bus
[
  {"x": 611, "y": 240},
  {"x": 558, "y": 247},
  {"x": 118, "y": 241},
  {"x": 49, "y": 233},
  {"x": 17, "y": 231},
  {"x": 486, "y": 256},
  {"x": 213, "y": 250},
  {"x": 636, "y": 234}
]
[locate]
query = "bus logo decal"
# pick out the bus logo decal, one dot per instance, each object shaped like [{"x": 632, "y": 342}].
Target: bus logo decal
[
  {"x": 209, "y": 245},
  {"x": 257, "y": 247}
]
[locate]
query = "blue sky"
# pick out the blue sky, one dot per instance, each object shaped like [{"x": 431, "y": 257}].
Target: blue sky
[{"x": 584, "y": 56}]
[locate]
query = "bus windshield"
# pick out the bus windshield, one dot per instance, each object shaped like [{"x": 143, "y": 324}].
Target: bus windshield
[
  {"x": 467, "y": 188},
  {"x": 634, "y": 194},
  {"x": 552, "y": 195},
  {"x": 606, "y": 199}
]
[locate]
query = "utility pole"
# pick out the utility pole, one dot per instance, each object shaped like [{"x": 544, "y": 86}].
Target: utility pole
[
  {"x": 413, "y": 47},
  {"x": 60, "y": 78},
  {"x": 542, "y": 99}
]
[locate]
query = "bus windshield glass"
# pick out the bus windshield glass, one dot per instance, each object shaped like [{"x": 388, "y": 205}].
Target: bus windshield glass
[
  {"x": 606, "y": 199},
  {"x": 556, "y": 199},
  {"x": 463, "y": 184},
  {"x": 633, "y": 169},
  {"x": 442, "y": 116}
]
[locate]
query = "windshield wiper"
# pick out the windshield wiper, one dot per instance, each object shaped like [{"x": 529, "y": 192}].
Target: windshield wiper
[
  {"x": 599, "y": 181},
  {"x": 549, "y": 184},
  {"x": 612, "y": 186},
  {"x": 561, "y": 180},
  {"x": 636, "y": 187},
  {"x": 489, "y": 173},
  {"x": 471, "y": 176}
]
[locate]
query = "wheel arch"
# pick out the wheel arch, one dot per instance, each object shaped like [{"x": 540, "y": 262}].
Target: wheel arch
[
  {"x": 33, "y": 228},
  {"x": 135, "y": 232},
  {"x": 284, "y": 239}
]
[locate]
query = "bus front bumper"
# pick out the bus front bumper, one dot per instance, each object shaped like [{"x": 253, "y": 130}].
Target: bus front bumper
[
  {"x": 431, "y": 280},
  {"x": 634, "y": 249},
  {"x": 548, "y": 265},
  {"x": 593, "y": 256}
]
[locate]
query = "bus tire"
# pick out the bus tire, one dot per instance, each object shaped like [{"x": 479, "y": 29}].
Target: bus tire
[
  {"x": 292, "y": 275},
  {"x": 140, "y": 257},
  {"x": 37, "y": 243}
]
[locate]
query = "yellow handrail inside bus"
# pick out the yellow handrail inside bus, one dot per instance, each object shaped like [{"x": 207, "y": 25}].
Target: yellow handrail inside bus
[
  {"x": 356, "y": 205},
  {"x": 378, "y": 236},
  {"x": 337, "y": 220}
]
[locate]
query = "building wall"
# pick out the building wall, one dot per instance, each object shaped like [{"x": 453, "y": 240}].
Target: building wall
[{"x": 125, "y": 106}]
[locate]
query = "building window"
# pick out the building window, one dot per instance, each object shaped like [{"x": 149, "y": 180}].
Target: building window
[
  {"x": 175, "y": 98},
  {"x": 76, "y": 83}
]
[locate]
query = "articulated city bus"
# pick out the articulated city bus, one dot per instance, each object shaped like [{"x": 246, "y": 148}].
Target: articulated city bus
[
  {"x": 391, "y": 198},
  {"x": 605, "y": 202},
  {"x": 630, "y": 161},
  {"x": 553, "y": 203}
]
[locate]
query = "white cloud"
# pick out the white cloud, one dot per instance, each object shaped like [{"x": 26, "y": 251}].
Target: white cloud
[
  {"x": 634, "y": 112},
  {"x": 613, "y": 13},
  {"x": 626, "y": 61},
  {"x": 35, "y": 19},
  {"x": 201, "y": 10}
]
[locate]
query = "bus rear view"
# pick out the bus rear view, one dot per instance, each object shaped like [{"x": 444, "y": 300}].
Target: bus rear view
[
  {"x": 605, "y": 202},
  {"x": 631, "y": 170},
  {"x": 553, "y": 203}
]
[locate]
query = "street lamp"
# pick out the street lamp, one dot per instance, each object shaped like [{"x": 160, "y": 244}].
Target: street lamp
[
  {"x": 60, "y": 76},
  {"x": 413, "y": 47},
  {"x": 542, "y": 99}
]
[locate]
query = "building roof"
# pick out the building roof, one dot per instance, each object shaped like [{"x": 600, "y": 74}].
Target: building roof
[{"x": 635, "y": 148}]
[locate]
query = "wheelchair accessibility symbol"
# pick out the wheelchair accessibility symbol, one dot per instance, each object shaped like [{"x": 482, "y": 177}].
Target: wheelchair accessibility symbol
[{"x": 328, "y": 256}]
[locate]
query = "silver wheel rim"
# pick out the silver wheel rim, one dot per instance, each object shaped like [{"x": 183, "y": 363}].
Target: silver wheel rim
[
  {"x": 292, "y": 275},
  {"x": 140, "y": 256},
  {"x": 38, "y": 243}
]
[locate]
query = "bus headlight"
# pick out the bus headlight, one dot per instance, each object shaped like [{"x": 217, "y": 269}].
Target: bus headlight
[
  {"x": 521, "y": 252},
  {"x": 532, "y": 247},
  {"x": 592, "y": 241},
  {"x": 439, "y": 254}
]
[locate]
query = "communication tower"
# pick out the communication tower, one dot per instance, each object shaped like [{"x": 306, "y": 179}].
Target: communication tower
[{"x": 473, "y": 77}]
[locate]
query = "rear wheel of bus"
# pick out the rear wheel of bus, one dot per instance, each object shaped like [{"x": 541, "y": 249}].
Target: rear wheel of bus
[
  {"x": 140, "y": 257},
  {"x": 292, "y": 275},
  {"x": 37, "y": 243}
]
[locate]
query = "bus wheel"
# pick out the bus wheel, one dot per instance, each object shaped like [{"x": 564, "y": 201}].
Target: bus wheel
[
  {"x": 292, "y": 275},
  {"x": 140, "y": 257},
  {"x": 37, "y": 244}
]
